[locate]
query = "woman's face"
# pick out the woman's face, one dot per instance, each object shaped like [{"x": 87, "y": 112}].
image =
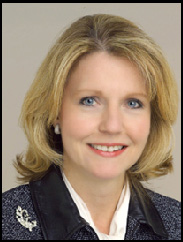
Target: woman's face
[{"x": 105, "y": 117}]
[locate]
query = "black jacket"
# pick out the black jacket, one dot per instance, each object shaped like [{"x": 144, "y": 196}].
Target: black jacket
[{"x": 49, "y": 205}]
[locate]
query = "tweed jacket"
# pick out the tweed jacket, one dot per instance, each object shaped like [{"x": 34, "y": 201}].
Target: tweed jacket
[{"x": 44, "y": 210}]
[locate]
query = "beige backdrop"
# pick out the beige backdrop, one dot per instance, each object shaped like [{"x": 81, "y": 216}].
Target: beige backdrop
[{"x": 29, "y": 30}]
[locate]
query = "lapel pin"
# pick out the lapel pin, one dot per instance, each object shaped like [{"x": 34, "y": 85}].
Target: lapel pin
[{"x": 24, "y": 219}]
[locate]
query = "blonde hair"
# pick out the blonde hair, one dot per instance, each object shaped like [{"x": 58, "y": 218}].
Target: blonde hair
[{"x": 118, "y": 36}]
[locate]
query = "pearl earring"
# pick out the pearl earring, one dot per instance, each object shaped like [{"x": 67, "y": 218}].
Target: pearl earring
[{"x": 57, "y": 129}]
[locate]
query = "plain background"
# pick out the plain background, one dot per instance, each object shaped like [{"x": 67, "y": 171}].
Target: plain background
[{"x": 30, "y": 29}]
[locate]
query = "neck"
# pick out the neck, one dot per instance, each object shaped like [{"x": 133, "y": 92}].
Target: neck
[
  {"x": 89, "y": 186},
  {"x": 100, "y": 195}
]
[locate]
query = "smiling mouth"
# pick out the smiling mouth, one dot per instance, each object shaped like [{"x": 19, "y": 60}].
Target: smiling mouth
[
  {"x": 108, "y": 147},
  {"x": 108, "y": 150}
]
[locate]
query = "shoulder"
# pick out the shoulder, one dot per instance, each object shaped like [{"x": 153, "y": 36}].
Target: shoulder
[
  {"x": 16, "y": 195},
  {"x": 164, "y": 202},
  {"x": 170, "y": 212},
  {"x": 19, "y": 221}
]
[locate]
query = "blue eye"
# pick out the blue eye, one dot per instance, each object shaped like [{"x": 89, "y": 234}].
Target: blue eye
[
  {"x": 134, "y": 103},
  {"x": 87, "y": 101}
]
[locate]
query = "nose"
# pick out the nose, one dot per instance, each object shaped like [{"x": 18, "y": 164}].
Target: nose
[{"x": 111, "y": 121}]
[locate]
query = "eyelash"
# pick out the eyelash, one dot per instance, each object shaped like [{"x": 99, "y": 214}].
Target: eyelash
[
  {"x": 82, "y": 100},
  {"x": 140, "y": 105}
]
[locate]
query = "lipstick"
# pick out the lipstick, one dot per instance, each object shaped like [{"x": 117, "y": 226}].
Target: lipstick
[{"x": 108, "y": 153}]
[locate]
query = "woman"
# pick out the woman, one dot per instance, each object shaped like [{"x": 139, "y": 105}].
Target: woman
[{"x": 98, "y": 118}]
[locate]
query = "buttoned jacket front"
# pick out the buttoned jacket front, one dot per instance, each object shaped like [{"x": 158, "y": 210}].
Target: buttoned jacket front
[{"x": 49, "y": 213}]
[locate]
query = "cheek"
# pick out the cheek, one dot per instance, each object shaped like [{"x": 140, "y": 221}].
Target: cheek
[
  {"x": 75, "y": 125},
  {"x": 139, "y": 130}
]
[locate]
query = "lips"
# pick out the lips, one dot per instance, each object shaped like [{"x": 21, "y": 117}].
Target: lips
[{"x": 108, "y": 149}]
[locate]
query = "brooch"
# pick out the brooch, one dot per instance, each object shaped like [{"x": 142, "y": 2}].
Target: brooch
[{"x": 24, "y": 219}]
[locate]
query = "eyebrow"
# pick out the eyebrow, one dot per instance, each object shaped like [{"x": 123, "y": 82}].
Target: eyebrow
[
  {"x": 98, "y": 92},
  {"x": 138, "y": 94}
]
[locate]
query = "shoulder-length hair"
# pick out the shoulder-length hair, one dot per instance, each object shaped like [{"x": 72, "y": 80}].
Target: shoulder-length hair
[{"x": 120, "y": 37}]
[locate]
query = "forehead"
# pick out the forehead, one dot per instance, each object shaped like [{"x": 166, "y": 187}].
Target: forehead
[{"x": 105, "y": 72}]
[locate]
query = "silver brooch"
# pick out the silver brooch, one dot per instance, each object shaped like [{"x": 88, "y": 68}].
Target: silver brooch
[{"x": 24, "y": 219}]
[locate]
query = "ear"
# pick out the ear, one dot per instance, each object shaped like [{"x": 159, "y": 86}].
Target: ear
[{"x": 56, "y": 122}]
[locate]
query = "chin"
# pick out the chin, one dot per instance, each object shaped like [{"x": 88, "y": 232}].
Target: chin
[{"x": 106, "y": 174}]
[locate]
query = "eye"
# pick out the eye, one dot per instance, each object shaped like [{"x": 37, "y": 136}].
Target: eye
[
  {"x": 87, "y": 101},
  {"x": 134, "y": 103}
]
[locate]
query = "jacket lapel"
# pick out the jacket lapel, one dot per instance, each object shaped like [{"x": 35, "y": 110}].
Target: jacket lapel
[
  {"x": 142, "y": 209},
  {"x": 58, "y": 215}
]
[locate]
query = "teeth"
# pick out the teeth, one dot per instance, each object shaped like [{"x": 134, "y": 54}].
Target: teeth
[{"x": 107, "y": 148}]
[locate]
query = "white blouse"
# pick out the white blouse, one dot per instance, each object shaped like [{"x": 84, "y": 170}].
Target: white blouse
[{"x": 118, "y": 224}]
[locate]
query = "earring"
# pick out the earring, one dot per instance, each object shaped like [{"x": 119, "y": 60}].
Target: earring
[{"x": 57, "y": 129}]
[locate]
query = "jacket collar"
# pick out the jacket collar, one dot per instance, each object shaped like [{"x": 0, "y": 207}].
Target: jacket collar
[
  {"x": 142, "y": 208},
  {"x": 56, "y": 211},
  {"x": 59, "y": 216}
]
